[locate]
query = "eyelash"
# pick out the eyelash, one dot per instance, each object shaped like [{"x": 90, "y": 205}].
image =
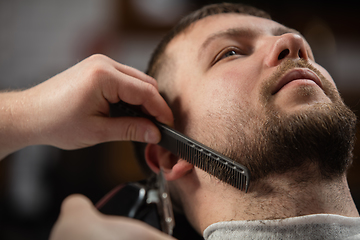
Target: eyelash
[{"x": 223, "y": 54}]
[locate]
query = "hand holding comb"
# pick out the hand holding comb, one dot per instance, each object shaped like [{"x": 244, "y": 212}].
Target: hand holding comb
[{"x": 192, "y": 151}]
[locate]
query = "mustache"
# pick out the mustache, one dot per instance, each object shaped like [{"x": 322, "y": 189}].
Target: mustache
[{"x": 290, "y": 64}]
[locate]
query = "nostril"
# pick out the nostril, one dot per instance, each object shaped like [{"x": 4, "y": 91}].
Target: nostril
[
  {"x": 283, "y": 54},
  {"x": 300, "y": 54}
]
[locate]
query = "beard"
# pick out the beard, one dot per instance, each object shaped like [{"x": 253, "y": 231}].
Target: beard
[{"x": 321, "y": 135}]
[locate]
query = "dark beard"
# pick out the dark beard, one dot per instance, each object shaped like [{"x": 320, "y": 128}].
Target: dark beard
[{"x": 322, "y": 135}]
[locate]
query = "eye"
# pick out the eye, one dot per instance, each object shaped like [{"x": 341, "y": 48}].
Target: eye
[{"x": 227, "y": 52}]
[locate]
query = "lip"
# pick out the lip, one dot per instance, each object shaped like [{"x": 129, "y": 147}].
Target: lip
[{"x": 297, "y": 74}]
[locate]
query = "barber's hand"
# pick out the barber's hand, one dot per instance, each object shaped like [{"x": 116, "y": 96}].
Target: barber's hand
[
  {"x": 71, "y": 109},
  {"x": 80, "y": 220}
]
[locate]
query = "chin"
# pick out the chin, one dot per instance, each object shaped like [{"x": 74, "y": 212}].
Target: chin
[{"x": 303, "y": 98}]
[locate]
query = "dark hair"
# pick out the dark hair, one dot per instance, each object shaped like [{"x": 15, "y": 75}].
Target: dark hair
[
  {"x": 209, "y": 10},
  {"x": 156, "y": 60}
]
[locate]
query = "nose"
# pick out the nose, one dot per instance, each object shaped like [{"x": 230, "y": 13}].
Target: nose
[{"x": 286, "y": 46}]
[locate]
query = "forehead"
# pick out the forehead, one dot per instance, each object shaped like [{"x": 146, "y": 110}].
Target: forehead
[{"x": 202, "y": 32}]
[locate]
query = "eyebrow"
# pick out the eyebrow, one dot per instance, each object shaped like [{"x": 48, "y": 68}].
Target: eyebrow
[
  {"x": 231, "y": 32},
  {"x": 243, "y": 32}
]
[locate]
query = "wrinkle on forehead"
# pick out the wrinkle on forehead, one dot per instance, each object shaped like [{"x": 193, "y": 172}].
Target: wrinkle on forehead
[{"x": 213, "y": 27}]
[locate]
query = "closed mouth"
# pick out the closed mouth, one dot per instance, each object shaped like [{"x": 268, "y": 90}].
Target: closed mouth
[{"x": 296, "y": 74}]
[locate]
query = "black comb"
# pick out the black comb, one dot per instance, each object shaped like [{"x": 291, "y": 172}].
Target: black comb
[{"x": 192, "y": 151}]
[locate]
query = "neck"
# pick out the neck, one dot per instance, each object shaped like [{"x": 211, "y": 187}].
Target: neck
[{"x": 276, "y": 197}]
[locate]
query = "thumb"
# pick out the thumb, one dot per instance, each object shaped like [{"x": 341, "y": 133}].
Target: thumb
[
  {"x": 76, "y": 203},
  {"x": 76, "y": 217}
]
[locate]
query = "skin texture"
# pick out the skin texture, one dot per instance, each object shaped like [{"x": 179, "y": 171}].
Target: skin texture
[{"x": 217, "y": 76}]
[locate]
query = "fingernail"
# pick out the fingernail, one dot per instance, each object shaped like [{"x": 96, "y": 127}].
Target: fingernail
[{"x": 151, "y": 136}]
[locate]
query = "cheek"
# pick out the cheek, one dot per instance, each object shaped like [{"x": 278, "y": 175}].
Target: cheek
[{"x": 235, "y": 81}]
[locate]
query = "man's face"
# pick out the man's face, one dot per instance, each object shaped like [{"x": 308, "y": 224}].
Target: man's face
[
  {"x": 233, "y": 74},
  {"x": 224, "y": 61}
]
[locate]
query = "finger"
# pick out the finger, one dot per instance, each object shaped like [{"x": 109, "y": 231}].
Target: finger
[
  {"x": 131, "y": 86},
  {"x": 118, "y": 86},
  {"x": 135, "y": 73},
  {"x": 144, "y": 94},
  {"x": 103, "y": 62},
  {"x": 125, "y": 69},
  {"x": 129, "y": 129}
]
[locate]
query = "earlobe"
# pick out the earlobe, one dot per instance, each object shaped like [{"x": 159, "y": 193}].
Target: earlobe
[{"x": 159, "y": 158}]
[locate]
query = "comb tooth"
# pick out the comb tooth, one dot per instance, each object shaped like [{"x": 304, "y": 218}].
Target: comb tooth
[
  {"x": 193, "y": 155},
  {"x": 181, "y": 149},
  {"x": 234, "y": 182},
  {"x": 196, "y": 157},
  {"x": 240, "y": 181},
  {"x": 187, "y": 153},
  {"x": 243, "y": 177},
  {"x": 204, "y": 156},
  {"x": 209, "y": 162},
  {"x": 246, "y": 184},
  {"x": 178, "y": 149},
  {"x": 210, "y": 166},
  {"x": 183, "y": 152}
]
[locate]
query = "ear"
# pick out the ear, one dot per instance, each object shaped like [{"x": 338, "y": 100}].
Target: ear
[{"x": 173, "y": 167}]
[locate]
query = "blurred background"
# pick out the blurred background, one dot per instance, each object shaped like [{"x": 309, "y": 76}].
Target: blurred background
[{"x": 40, "y": 38}]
